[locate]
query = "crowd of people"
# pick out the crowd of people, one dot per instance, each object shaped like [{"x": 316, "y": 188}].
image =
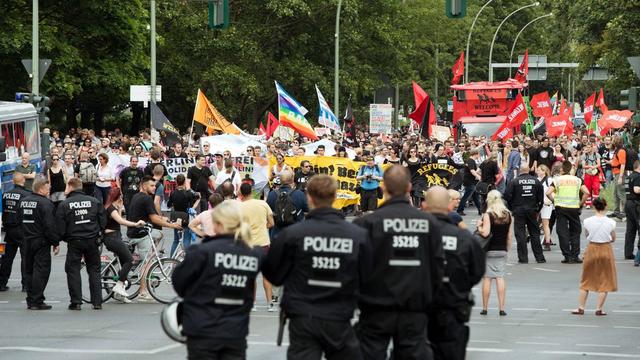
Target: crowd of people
[{"x": 289, "y": 231}]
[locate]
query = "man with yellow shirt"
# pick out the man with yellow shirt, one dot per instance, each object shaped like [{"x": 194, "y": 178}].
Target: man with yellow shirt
[{"x": 259, "y": 216}]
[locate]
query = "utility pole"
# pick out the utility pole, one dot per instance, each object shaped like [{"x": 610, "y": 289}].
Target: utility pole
[
  {"x": 336, "y": 74},
  {"x": 153, "y": 55},
  {"x": 436, "y": 80},
  {"x": 35, "y": 53}
]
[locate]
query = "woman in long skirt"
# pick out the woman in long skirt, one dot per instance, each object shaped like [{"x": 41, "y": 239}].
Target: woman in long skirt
[{"x": 599, "y": 267}]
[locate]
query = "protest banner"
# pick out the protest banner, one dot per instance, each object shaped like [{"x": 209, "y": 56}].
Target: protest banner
[
  {"x": 344, "y": 170},
  {"x": 380, "y": 116}
]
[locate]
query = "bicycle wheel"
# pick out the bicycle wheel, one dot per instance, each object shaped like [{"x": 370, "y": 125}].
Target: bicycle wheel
[
  {"x": 159, "y": 280},
  {"x": 108, "y": 279},
  {"x": 133, "y": 283}
]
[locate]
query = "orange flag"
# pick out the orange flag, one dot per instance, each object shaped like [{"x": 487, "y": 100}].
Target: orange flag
[{"x": 206, "y": 114}]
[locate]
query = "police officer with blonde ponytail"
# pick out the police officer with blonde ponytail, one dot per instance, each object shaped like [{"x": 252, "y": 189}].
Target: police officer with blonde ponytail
[{"x": 216, "y": 281}]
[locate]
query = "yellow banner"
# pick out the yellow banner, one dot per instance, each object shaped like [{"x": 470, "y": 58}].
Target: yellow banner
[
  {"x": 206, "y": 114},
  {"x": 344, "y": 170}
]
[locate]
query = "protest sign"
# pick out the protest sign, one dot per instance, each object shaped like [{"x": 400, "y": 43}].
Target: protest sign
[{"x": 380, "y": 118}]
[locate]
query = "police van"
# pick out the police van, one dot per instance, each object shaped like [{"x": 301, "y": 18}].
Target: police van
[{"x": 19, "y": 133}]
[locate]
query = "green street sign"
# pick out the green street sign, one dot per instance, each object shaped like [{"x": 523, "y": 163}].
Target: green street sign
[
  {"x": 218, "y": 14},
  {"x": 456, "y": 9}
]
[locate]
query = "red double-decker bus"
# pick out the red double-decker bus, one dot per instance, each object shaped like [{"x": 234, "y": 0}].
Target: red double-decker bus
[{"x": 479, "y": 108}]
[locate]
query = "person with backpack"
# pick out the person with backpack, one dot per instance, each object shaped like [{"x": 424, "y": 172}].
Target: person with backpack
[
  {"x": 369, "y": 176},
  {"x": 288, "y": 205},
  {"x": 87, "y": 173},
  {"x": 229, "y": 175}
]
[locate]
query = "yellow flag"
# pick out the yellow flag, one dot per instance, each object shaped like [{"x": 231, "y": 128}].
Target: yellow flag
[{"x": 207, "y": 115}]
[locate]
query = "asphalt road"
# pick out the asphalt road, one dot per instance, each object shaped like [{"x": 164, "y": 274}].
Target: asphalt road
[{"x": 538, "y": 326}]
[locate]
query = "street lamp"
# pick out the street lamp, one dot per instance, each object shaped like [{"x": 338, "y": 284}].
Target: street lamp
[
  {"x": 336, "y": 67},
  {"x": 513, "y": 47},
  {"x": 466, "y": 53},
  {"x": 496, "y": 35}
]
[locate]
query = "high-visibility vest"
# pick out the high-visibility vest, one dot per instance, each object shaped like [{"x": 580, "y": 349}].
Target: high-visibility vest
[{"x": 567, "y": 194}]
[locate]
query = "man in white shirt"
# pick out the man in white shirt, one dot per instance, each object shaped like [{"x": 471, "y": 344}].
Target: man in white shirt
[{"x": 229, "y": 174}]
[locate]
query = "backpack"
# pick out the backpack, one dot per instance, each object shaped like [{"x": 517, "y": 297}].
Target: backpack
[
  {"x": 88, "y": 173},
  {"x": 285, "y": 211},
  {"x": 229, "y": 180}
]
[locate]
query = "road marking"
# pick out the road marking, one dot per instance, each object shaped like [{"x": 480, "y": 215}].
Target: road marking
[
  {"x": 477, "y": 323},
  {"x": 485, "y": 341},
  {"x": 266, "y": 343},
  {"x": 265, "y": 316},
  {"x": 529, "y": 309},
  {"x": 626, "y": 311},
  {"x": 627, "y": 327},
  {"x": 493, "y": 350},
  {"x": 549, "y": 270},
  {"x": 4, "y": 302},
  {"x": 535, "y": 343},
  {"x": 586, "y": 353},
  {"x": 577, "y": 325},
  {"x": 91, "y": 351},
  {"x": 533, "y": 324},
  {"x": 598, "y": 345}
]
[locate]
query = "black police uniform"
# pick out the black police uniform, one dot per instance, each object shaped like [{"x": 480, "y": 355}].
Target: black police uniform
[
  {"x": 82, "y": 219},
  {"x": 408, "y": 269},
  {"x": 321, "y": 262},
  {"x": 36, "y": 214},
  {"x": 465, "y": 265},
  {"x": 13, "y": 235},
  {"x": 217, "y": 282},
  {"x": 525, "y": 197},
  {"x": 632, "y": 211}
]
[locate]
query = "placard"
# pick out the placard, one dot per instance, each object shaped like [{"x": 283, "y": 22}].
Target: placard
[{"x": 380, "y": 116}]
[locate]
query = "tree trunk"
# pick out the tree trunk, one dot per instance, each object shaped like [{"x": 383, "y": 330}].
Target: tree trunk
[
  {"x": 98, "y": 120},
  {"x": 85, "y": 119},
  {"x": 136, "y": 117},
  {"x": 72, "y": 114}
]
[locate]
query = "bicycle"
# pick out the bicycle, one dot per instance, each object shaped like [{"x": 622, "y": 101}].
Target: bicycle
[{"x": 158, "y": 274}]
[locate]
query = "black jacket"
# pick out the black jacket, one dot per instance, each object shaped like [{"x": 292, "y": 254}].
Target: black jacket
[
  {"x": 216, "y": 280},
  {"x": 524, "y": 194},
  {"x": 36, "y": 214},
  {"x": 464, "y": 267},
  {"x": 80, "y": 217},
  {"x": 407, "y": 256},
  {"x": 11, "y": 203},
  {"x": 321, "y": 262}
]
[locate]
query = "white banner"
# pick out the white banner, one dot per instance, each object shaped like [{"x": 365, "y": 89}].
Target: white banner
[
  {"x": 236, "y": 144},
  {"x": 380, "y": 116}
]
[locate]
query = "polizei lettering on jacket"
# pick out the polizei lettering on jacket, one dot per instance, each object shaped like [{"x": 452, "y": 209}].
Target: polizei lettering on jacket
[
  {"x": 80, "y": 205},
  {"x": 327, "y": 245},
  {"x": 236, "y": 262},
  {"x": 405, "y": 225}
]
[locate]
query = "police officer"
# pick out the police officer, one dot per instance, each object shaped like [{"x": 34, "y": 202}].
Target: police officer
[
  {"x": 565, "y": 193},
  {"x": 82, "y": 219},
  {"x": 321, "y": 263},
  {"x": 408, "y": 269},
  {"x": 525, "y": 197},
  {"x": 36, "y": 214},
  {"x": 465, "y": 265},
  {"x": 13, "y": 234},
  {"x": 632, "y": 210},
  {"x": 217, "y": 282}
]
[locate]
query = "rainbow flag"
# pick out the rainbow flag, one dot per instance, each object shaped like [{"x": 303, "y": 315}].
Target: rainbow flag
[
  {"x": 291, "y": 114},
  {"x": 554, "y": 103}
]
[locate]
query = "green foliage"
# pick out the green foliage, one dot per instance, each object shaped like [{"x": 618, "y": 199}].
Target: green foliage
[{"x": 100, "y": 47}]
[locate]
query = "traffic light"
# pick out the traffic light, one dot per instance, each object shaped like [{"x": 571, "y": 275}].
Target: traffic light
[
  {"x": 218, "y": 14},
  {"x": 631, "y": 101},
  {"x": 42, "y": 107},
  {"x": 456, "y": 9}
]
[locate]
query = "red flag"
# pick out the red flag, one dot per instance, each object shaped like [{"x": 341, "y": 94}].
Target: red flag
[
  {"x": 588, "y": 108},
  {"x": 425, "y": 111},
  {"x": 272, "y": 124},
  {"x": 503, "y": 133},
  {"x": 523, "y": 70},
  {"x": 558, "y": 125},
  {"x": 418, "y": 94},
  {"x": 600, "y": 102},
  {"x": 541, "y": 105},
  {"x": 262, "y": 130},
  {"x": 458, "y": 69},
  {"x": 614, "y": 119},
  {"x": 517, "y": 114}
]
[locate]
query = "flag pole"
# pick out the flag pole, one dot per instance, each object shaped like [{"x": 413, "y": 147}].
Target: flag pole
[{"x": 191, "y": 131}]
